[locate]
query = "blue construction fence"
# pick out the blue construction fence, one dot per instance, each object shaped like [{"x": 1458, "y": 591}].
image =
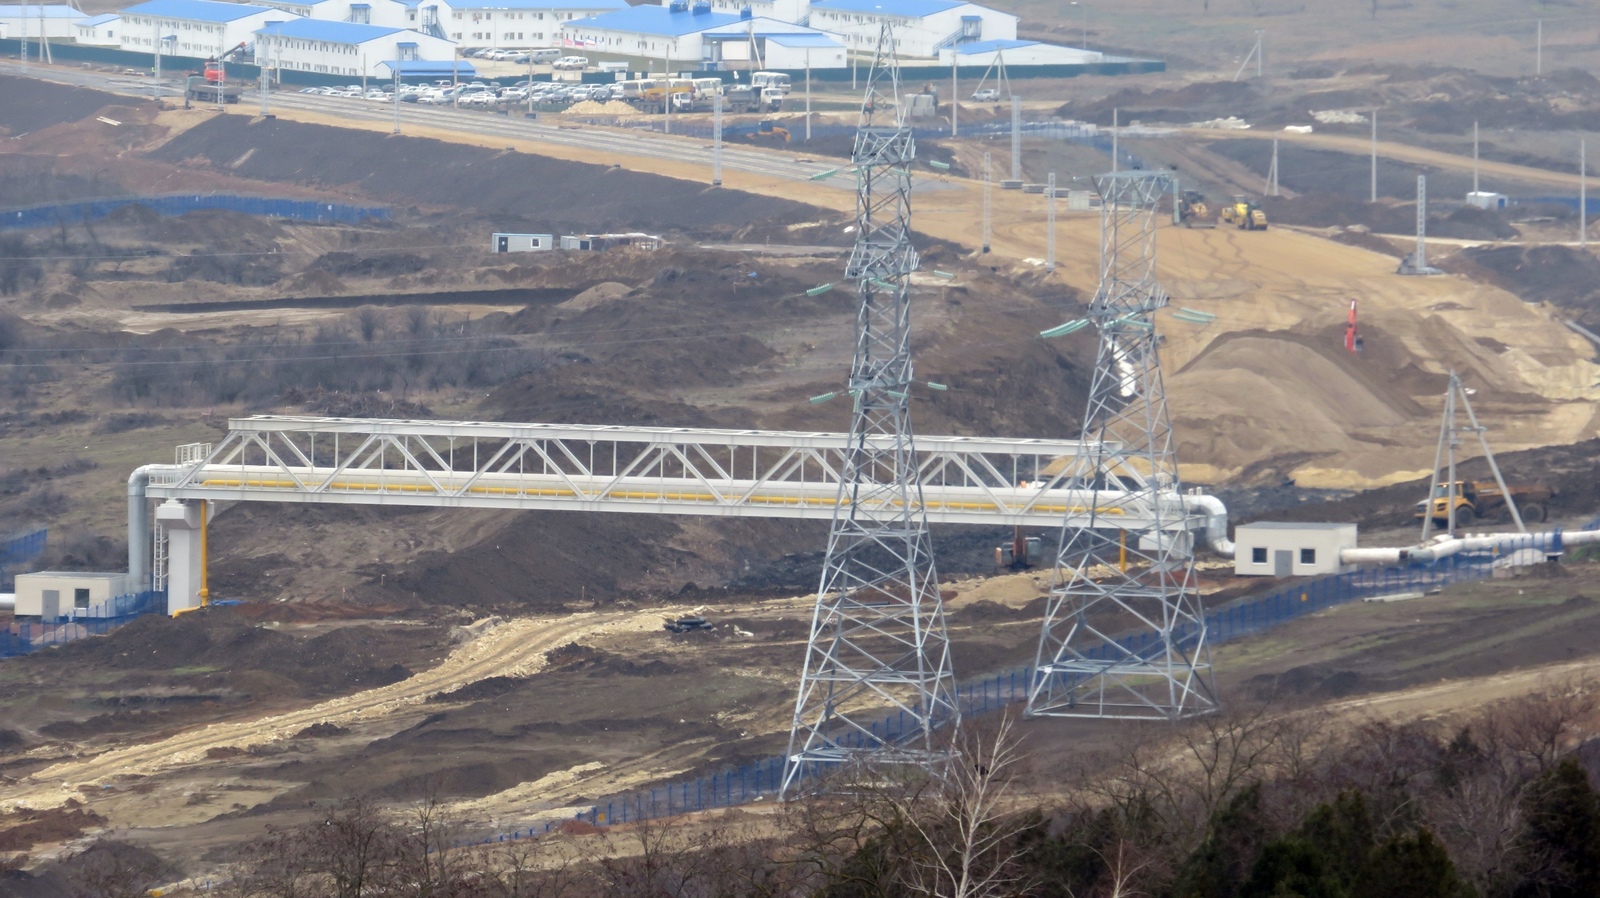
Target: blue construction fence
[
  {"x": 23, "y": 638},
  {"x": 52, "y": 215},
  {"x": 762, "y": 779}
]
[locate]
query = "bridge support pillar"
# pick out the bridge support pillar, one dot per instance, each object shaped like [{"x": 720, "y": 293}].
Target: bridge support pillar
[{"x": 185, "y": 557}]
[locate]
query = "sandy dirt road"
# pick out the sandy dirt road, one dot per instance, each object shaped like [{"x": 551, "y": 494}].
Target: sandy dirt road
[{"x": 512, "y": 648}]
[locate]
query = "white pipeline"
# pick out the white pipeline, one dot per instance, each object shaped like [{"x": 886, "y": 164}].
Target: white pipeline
[
  {"x": 1444, "y": 546},
  {"x": 1216, "y": 521},
  {"x": 139, "y": 547}
]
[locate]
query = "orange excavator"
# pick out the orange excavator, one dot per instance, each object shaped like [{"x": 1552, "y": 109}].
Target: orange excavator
[{"x": 214, "y": 71}]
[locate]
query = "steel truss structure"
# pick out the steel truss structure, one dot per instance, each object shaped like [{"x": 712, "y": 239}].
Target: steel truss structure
[
  {"x": 1108, "y": 580},
  {"x": 878, "y": 632},
  {"x": 642, "y": 470}
]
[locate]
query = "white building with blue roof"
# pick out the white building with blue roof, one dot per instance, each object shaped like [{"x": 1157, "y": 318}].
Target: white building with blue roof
[
  {"x": 514, "y": 24},
  {"x": 922, "y": 28},
  {"x": 99, "y": 31},
  {"x": 196, "y": 28},
  {"x": 388, "y": 13},
  {"x": 697, "y": 37},
  {"x": 345, "y": 48},
  {"x": 32, "y": 20}
]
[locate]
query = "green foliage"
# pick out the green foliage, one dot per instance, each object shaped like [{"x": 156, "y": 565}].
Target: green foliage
[{"x": 1563, "y": 837}]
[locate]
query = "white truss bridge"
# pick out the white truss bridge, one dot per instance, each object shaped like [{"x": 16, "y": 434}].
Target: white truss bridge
[{"x": 642, "y": 470}]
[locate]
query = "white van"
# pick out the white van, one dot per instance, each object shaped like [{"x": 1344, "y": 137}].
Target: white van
[
  {"x": 544, "y": 56},
  {"x": 571, "y": 63}
]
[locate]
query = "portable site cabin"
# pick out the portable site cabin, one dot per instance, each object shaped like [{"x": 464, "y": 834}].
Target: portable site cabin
[
  {"x": 1279, "y": 549},
  {"x": 50, "y": 595},
  {"x": 523, "y": 243}
]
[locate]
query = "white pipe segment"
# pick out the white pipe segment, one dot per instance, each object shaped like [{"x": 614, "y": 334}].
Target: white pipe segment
[
  {"x": 139, "y": 548},
  {"x": 1444, "y": 546},
  {"x": 8, "y": 601},
  {"x": 1216, "y": 521}
]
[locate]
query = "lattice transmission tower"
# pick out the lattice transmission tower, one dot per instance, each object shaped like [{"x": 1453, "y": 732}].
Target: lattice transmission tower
[
  {"x": 877, "y": 682},
  {"x": 1124, "y": 631}
]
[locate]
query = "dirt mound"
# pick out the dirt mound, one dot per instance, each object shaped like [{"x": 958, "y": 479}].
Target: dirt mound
[
  {"x": 489, "y": 687},
  {"x": 321, "y": 731},
  {"x": 346, "y": 264},
  {"x": 1192, "y": 102},
  {"x": 21, "y": 830},
  {"x": 568, "y": 195},
  {"x": 222, "y": 646},
  {"x": 1559, "y": 275},
  {"x": 27, "y": 105}
]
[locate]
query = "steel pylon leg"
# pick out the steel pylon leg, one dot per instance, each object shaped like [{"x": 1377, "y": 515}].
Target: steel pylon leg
[
  {"x": 877, "y": 683},
  {"x": 1124, "y": 631}
]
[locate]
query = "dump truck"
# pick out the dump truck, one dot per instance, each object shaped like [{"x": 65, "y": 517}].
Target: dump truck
[
  {"x": 1193, "y": 211},
  {"x": 1482, "y": 500},
  {"x": 201, "y": 90},
  {"x": 1244, "y": 213}
]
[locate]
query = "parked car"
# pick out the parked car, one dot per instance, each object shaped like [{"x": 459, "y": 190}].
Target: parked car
[
  {"x": 571, "y": 63},
  {"x": 987, "y": 95}
]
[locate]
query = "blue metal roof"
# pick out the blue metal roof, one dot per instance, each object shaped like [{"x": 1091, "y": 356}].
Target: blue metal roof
[
  {"x": 598, "y": 5},
  {"x": 197, "y": 10},
  {"x": 802, "y": 41},
  {"x": 434, "y": 67},
  {"x": 330, "y": 32},
  {"x": 101, "y": 19},
  {"x": 657, "y": 20},
  {"x": 48, "y": 11},
  {"x": 992, "y": 46},
  {"x": 911, "y": 9}
]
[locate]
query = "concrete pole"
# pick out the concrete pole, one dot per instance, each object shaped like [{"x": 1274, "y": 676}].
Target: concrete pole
[
  {"x": 988, "y": 187},
  {"x": 1272, "y": 179},
  {"x": 1421, "y": 257},
  {"x": 1016, "y": 138},
  {"x": 22, "y": 19},
  {"x": 1050, "y": 223},
  {"x": 530, "y": 85},
  {"x": 397, "y": 97},
  {"x": 1374, "y": 197},
  {"x": 261, "y": 69},
  {"x": 955, "y": 93},
  {"x": 363, "y": 76},
  {"x": 155, "y": 84},
  {"x": 1538, "y": 51},
  {"x": 222, "y": 76},
  {"x": 1475, "y": 157},
  {"x": 716, "y": 141},
  {"x": 1261, "y": 37},
  {"x": 666, "y": 78},
  {"x": 1115, "y": 113},
  {"x": 808, "y": 93},
  {"x": 1583, "y": 197}
]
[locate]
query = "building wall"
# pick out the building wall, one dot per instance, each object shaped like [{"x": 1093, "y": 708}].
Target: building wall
[
  {"x": 103, "y": 35},
  {"x": 510, "y": 28},
  {"x": 792, "y": 11},
  {"x": 31, "y": 589},
  {"x": 792, "y": 59},
  {"x": 913, "y": 37},
  {"x": 355, "y": 60},
  {"x": 53, "y": 27},
  {"x": 387, "y": 13},
  {"x": 1255, "y": 549},
  {"x": 198, "y": 39}
]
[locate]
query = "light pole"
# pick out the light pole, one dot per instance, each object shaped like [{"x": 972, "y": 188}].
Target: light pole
[
  {"x": 1085, "y": 20},
  {"x": 808, "y": 93}
]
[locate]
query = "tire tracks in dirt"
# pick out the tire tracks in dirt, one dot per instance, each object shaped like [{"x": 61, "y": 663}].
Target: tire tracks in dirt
[{"x": 512, "y": 648}]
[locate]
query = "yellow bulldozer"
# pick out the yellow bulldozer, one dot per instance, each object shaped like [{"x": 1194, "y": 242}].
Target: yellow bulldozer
[
  {"x": 1244, "y": 213},
  {"x": 1193, "y": 211}
]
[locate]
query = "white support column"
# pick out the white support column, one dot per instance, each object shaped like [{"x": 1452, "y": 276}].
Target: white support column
[{"x": 181, "y": 518}]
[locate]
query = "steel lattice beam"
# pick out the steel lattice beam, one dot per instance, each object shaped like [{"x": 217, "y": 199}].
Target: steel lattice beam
[{"x": 1109, "y": 579}]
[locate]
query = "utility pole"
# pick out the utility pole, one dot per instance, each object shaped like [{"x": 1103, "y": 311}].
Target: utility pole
[
  {"x": 988, "y": 188},
  {"x": 1016, "y": 138},
  {"x": 1114, "y": 128},
  {"x": 716, "y": 141},
  {"x": 1538, "y": 51},
  {"x": 222, "y": 74},
  {"x": 261, "y": 88},
  {"x": 1050, "y": 223},
  {"x": 1456, "y": 400},
  {"x": 155, "y": 82},
  {"x": 1272, "y": 173},
  {"x": 1583, "y": 197},
  {"x": 1475, "y": 157},
  {"x": 955, "y": 92},
  {"x": 22, "y": 20},
  {"x": 397, "y": 96},
  {"x": 808, "y": 93},
  {"x": 1374, "y": 197}
]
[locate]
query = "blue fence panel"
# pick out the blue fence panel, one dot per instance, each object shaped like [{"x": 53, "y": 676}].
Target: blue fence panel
[
  {"x": 26, "y": 637},
  {"x": 178, "y": 204}
]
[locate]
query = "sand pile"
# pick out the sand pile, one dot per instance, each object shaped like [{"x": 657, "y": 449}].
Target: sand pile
[{"x": 610, "y": 107}]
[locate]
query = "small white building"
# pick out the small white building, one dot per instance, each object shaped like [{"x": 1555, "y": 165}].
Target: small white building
[
  {"x": 682, "y": 35},
  {"x": 197, "y": 28},
  {"x": 522, "y": 243},
  {"x": 100, "y": 31},
  {"x": 1279, "y": 549},
  {"x": 517, "y": 24},
  {"x": 388, "y": 13},
  {"x": 1485, "y": 200},
  {"x": 50, "y": 595},
  {"x": 922, "y": 28},
  {"x": 345, "y": 48},
  {"x": 31, "y": 20}
]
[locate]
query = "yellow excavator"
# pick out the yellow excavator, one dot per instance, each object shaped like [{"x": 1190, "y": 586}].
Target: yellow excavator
[
  {"x": 1193, "y": 211},
  {"x": 1244, "y": 213}
]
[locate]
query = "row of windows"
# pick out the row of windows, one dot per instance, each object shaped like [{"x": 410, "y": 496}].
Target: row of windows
[
  {"x": 481, "y": 16},
  {"x": 509, "y": 35},
  {"x": 1258, "y": 555}
]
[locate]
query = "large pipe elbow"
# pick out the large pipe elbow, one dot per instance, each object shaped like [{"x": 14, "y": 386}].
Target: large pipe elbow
[
  {"x": 139, "y": 547},
  {"x": 1216, "y": 521}
]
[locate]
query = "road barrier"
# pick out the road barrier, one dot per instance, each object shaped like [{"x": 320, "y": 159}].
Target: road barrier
[{"x": 49, "y": 216}]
